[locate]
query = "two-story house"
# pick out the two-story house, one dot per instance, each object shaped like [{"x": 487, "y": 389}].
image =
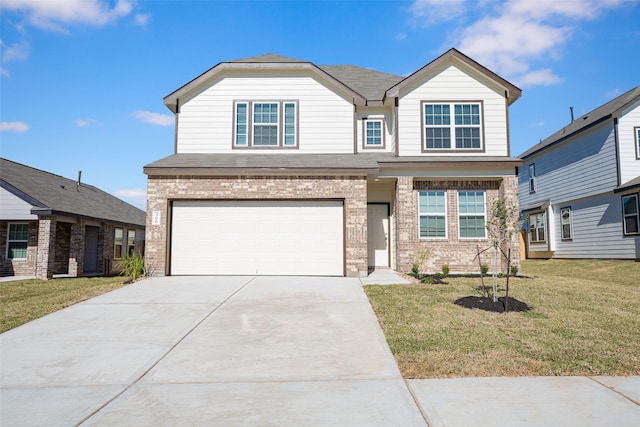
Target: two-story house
[
  {"x": 579, "y": 188},
  {"x": 284, "y": 167}
]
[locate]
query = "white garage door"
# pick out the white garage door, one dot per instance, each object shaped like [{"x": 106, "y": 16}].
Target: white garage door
[{"x": 257, "y": 237}]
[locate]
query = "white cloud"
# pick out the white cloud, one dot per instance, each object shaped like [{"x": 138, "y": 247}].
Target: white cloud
[
  {"x": 53, "y": 15},
  {"x": 87, "y": 122},
  {"x": 16, "y": 51},
  {"x": 142, "y": 19},
  {"x": 154, "y": 118},
  {"x": 14, "y": 126},
  {"x": 401, "y": 36},
  {"x": 512, "y": 36},
  {"x": 4, "y": 72},
  {"x": 432, "y": 11}
]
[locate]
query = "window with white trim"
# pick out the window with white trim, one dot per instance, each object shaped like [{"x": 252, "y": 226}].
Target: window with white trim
[
  {"x": 373, "y": 133},
  {"x": 432, "y": 214},
  {"x": 537, "y": 228},
  {"x": 637, "y": 131},
  {"x": 460, "y": 122},
  {"x": 265, "y": 124},
  {"x": 565, "y": 223},
  {"x": 131, "y": 242},
  {"x": 631, "y": 214},
  {"x": 17, "y": 240},
  {"x": 532, "y": 178},
  {"x": 471, "y": 214}
]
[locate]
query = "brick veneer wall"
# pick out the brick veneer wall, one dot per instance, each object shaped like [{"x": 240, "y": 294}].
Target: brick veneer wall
[
  {"x": 351, "y": 189},
  {"x": 19, "y": 267},
  {"x": 458, "y": 253}
]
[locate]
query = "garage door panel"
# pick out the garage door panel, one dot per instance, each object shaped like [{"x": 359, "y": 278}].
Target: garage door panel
[{"x": 257, "y": 237}]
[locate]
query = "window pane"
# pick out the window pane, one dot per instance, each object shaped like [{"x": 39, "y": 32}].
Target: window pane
[
  {"x": 18, "y": 231},
  {"x": 566, "y": 231},
  {"x": 265, "y": 135},
  {"x": 265, "y": 113},
  {"x": 241, "y": 124},
  {"x": 631, "y": 224},
  {"x": 437, "y": 114},
  {"x": 438, "y": 138},
  {"x": 432, "y": 202},
  {"x": 289, "y": 124},
  {"x": 472, "y": 226},
  {"x": 17, "y": 250},
  {"x": 630, "y": 205},
  {"x": 467, "y": 137},
  {"x": 432, "y": 226}
]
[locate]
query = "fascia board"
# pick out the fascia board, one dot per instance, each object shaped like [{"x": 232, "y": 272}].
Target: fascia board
[{"x": 171, "y": 100}]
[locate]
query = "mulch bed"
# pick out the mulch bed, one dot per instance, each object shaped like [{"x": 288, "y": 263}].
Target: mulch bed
[{"x": 487, "y": 304}]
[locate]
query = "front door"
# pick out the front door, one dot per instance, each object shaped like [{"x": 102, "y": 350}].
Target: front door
[
  {"x": 91, "y": 249},
  {"x": 378, "y": 234}
]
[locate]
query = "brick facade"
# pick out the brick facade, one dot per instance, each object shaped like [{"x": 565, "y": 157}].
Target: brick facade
[
  {"x": 351, "y": 189},
  {"x": 458, "y": 254}
]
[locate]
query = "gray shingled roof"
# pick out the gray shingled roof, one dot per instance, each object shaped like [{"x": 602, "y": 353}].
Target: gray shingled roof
[
  {"x": 603, "y": 112},
  {"x": 287, "y": 163},
  {"x": 369, "y": 83},
  {"x": 49, "y": 192},
  {"x": 634, "y": 183}
]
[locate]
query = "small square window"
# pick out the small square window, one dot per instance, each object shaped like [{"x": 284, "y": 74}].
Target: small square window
[{"x": 373, "y": 133}]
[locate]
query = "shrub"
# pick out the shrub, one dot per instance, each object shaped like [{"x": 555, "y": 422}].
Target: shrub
[
  {"x": 445, "y": 270},
  {"x": 514, "y": 270},
  {"x": 415, "y": 270},
  {"x": 484, "y": 268},
  {"x": 133, "y": 266}
]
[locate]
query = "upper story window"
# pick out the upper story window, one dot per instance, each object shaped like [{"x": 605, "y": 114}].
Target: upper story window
[
  {"x": 471, "y": 213},
  {"x": 452, "y": 126},
  {"x": 536, "y": 227},
  {"x": 532, "y": 178},
  {"x": 631, "y": 214},
  {"x": 265, "y": 124},
  {"x": 17, "y": 240},
  {"x": 373, "y": 133},
  {"x": 433, "y": 214},
  {"x": 637, "y": 132}
]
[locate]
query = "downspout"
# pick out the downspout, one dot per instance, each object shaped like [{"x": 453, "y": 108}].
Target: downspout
[
  {"x": 617, "y": 150},
  {"x": 506, "y": 112},
  {"x": 355, "y": 127},
  {"x": 175, "y": 136},
  {"x": 396, "y": 127}
]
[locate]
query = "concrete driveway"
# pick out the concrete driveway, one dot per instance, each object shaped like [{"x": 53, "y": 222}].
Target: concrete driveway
[{"x": 207, "y": 351}]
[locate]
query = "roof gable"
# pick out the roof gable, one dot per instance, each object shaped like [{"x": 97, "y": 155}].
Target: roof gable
[
  {"x": 457, "y": 58},
  {"x": 605, "y": 111},
  {"x": 48, "y": 192}
]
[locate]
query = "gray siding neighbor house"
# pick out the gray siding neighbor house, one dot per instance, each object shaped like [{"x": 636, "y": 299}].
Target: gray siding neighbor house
[
  {"x": 53, "y": 225},
  {"x": 285, "y": 167},
  {"x": 579, "y": 189}
]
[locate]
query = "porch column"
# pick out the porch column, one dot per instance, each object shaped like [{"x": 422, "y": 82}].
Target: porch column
[
  {"x": 76, "y": 249},
  {"x": 406, "y": 220},
  {"x": 46, "y": 247}
]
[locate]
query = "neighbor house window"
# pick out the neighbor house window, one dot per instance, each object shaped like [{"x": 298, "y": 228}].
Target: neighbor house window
[
  {"x": 433, "y": 214},
  {"x": 471, "y": 211},
  {"x": 119, "y": 239},
  {"x": 131, "y": 241},
  {"x": 565, "y": 223},
  {"x": 537, "y": 227},
  {"x": 17, "y": 240},
  {"x": 265, "y": 124},
  {"x": 637, "y": 131},
  {"x": 631, "y": 214},
  {"x": 532, "y": 178},
  {"x": 452, "y": 126},
  {"x": 373, "y": 133}
]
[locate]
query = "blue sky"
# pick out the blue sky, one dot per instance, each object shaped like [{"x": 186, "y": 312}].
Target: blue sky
[{"x": 82, "y": 81}]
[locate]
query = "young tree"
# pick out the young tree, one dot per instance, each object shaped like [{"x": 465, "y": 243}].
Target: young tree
[{"x": 502, "y": 224}]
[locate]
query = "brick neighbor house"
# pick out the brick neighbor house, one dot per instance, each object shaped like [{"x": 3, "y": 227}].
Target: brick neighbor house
[
  {"x": 53, "y": 225},
  {"x": 284, "y": 167}
]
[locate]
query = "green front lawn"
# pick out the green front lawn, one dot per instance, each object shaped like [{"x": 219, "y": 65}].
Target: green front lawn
[
  {"x": 585, "y": 321},
  {"x": 25, "y": 300}
]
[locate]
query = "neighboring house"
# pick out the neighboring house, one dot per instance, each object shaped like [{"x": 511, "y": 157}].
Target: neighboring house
[
  {"x": 284, "y": 167},
  {"x": 579, "y": 188},
  {"x": 52, "y": 225}
]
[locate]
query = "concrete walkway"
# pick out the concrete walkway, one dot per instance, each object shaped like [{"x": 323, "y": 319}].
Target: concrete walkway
[{"x": 260, "y": 351}]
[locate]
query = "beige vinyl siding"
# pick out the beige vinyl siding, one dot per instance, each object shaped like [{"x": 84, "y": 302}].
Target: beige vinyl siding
[
  {"x": 325, "y": 118},
  {"x": 384, "y": 113},
  {"x": 14, "y": 208},
  {"x": 629, "y": 164},
  {"x": 452, "y": 84}
]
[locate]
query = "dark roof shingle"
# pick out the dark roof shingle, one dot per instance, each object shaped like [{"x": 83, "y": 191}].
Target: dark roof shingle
[{"x": 50, "y": 192}]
